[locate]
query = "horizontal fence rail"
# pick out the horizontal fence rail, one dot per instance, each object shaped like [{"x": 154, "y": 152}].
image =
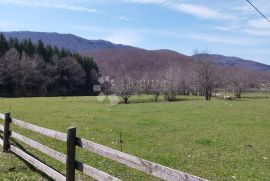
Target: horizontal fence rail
[
  {"x": 36, "y": 163},
  {"x": 88, "y": 170},
  {"x": 52, "y": 153},
  {"x": 1, "y": 128},
  {"x": 70, "y": 161},
  {"x": 43, "y": 131},
  {"x": 94, "y": 173},
  {"x": 39, "y": 165},
  {"x": 2, "y": 116},
  {"x": 135, "y": 162}
]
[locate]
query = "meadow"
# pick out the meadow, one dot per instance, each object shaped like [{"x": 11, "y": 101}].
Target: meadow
[{"x": 216, "y": 140}]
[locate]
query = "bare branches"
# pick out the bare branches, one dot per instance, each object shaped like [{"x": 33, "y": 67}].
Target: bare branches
[{"x": 205, "y": 74}]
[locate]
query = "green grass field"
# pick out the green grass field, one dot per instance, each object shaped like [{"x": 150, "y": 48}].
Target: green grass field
[{"x": 216, "y": 140}]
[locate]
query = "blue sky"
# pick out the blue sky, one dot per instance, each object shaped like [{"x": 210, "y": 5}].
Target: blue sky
[{"x": 228, "y": 27}]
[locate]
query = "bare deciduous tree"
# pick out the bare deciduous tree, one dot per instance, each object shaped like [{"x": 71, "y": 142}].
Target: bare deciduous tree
[
  {"x": 205, "y": 73},
  {"x": 70, "y": 75},
  {"x": 172, "y": 86},
  {"x": 28, "y": 69},
  {"x": 239, "y": 81},
  {"x": 123, "y": 86}
]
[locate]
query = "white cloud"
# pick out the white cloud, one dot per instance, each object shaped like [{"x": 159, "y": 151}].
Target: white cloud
[
  {"x": 188, "y": 8},
  {"x": 59, "y": 4},
  {"x": 256, "y": 27},
  {"x": 264, "y": 33},
  {"x": 240, "y": 14},
  {"x": 134, "y": 36},
  {"x": 201, "y": 12},
  {"x": 126, "y": 36},
  {"x": 71, "y": 5},
  {"x": 259, "y": 27},
  {"x": 227, "y": 40},
  {"x": 259, "y": 24},
  {"x": 262, "y": 5},
  {"x": 232, "y": 27},
  {"x": 142, "y": 32}
]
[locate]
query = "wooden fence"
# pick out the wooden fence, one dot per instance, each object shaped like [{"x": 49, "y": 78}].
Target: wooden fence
[{"x": 69, "y": 159}]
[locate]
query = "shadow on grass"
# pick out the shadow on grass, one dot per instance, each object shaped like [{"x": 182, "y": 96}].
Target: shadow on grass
[
  {"x": 140, "y": 101},
  {"x": 232, "y": 100},
  {"x": 30, "y": 166},
  {"x": 256, "y": 97}
]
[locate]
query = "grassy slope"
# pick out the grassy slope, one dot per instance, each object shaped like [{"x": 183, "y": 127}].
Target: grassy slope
[{"x": 216, "y": 140}]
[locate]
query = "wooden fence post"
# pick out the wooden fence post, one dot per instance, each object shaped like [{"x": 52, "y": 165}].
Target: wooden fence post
[
  {"x": 71, "y": 153},
  {"x": 6, "y": 134}
]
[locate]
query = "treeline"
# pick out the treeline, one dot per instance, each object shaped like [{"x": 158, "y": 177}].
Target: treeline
[
  {"x": 197, "y": 77},
  {"x": 36, "y": 69}
]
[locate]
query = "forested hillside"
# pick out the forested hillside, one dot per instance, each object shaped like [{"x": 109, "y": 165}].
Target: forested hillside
[
  {"x": 35, "y": 69},
  {"x": 31, "y": 67},
  {"x": 108, "y": 55},
  {"x": 67, "y": 41}
]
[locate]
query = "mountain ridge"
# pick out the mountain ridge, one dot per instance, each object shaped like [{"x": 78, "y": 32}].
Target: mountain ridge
[
  {"x": 106, "y": 52},
  {"x": 67, "y": 41}
]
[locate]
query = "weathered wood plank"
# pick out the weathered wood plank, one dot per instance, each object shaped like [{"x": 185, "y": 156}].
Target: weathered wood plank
[
  {"x": 148, "y": 167},
  {"x": 39, "y": 165},
  {"x": 6, "y": 133},
  {"x": 94, "y": 173},
  {"x": 1, "y": 128},
  {"x": 71, "y": 154},
  {"x": 43, "y": 131},
  {"x": 145, "y": 166},
  {"x": 52, "y": 153},
  {"x": 2, "y": 116}
]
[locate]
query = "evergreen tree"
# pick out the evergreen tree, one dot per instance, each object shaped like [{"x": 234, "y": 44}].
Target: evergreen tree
[
  {"x": 40, "y": 49},
  {"x": 36, "y": 69},
  {"x": 49, "y": 53},
  {"x": 28, "y": 47},
  {"x": 11, "y": 43},
  {"x": 64, "y": 53},
  {"x": 14, "y": 43},
  {"x": 91, "y": 70},
  {"x": 56, "y": 51},
  {"x": 3, "y": 44}
]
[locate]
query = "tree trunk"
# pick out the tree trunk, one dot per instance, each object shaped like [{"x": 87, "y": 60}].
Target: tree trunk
[
  {"x": 126, "y": 100},
  {"x": 156, "y": 97},
  {"x": 238, "y": 93},
  {"x": 206, "y": 94}
]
